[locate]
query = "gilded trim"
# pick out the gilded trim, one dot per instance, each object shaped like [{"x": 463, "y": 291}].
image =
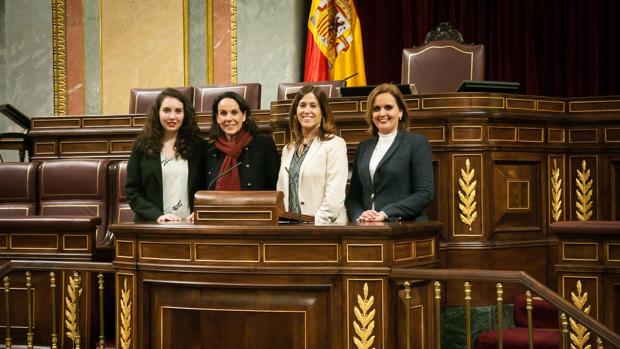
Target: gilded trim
[
  {"x": 564, "y": 244},
  {"x": 570, "y": 135},
  {"x": 556, "y": 192},
  {"x": 453, "y": 127},
  {"x": 432, "y": 241},
  {"x": 607, "y": 251},
  {"x": 200, "y": 212},
  {"x": 467, "y": 195},
  {"x": 508, "y": 195},
  {"x": 209, "y": 40},
  {"x": 442, "y": 128},
  {"x": 550, "y": 110},
  {"x": 64, "y": 239},
  {"x": 34, "y": 247},
  {"x": 169, "y": 307},
  {"x": 470, "y": 106},
  {"x": 107, "y": 147},
  {"x": 118, "y": 242},
  {"x": 533, "y": 108},
  {"x": 305, "y": 261},
  {"x": 454, "y": 190},
  {"x": 556, "y": 129},
  {"x": 38, "y": 152},
  {"x": 365, "y": 314},
  {"x": 580, "y": 334},
  {"x": 411, "y": 250},
  {"x": 611, "y": 129},
  {"x": 514, "y": 133},
  {"x": 168, "y": 243},
  {"x": 227, "y": 260},
  {"x": 59, "y": 65},
  {"x": 541, "y": 130},
  {"x": 570, "y": 106},
  {"x": 233, "y": 41},
  {"x": 365, "y": 261},
  {"x": 382, "y": 310},
  {"x": 584, "y": 202},
  {"x": 125, "y": 328}
]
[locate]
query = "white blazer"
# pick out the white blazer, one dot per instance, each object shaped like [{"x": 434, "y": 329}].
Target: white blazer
[{"x": 322, "y": 179}]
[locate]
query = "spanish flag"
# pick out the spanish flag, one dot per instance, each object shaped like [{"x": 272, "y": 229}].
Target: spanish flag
[{"x": 334, "y": 48}]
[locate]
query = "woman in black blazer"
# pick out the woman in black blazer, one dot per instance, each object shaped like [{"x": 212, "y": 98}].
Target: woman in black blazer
[
  {"x": 165, "y": 168},
  {"x": 237, "y": 157},
  {"x": 393, "y": 172}
]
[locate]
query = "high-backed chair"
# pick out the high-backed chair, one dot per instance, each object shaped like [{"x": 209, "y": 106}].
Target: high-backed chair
[
  {"x": 205, "y": 95},
  {"x": 18, "y": 188},
  {"x": 75, "y": 188},
  {"x": 331, "y": 88},
  {"x": 121, "y": 212},
  {"x": 443, "y": 62},
  {"x": 141, "y": 99}
]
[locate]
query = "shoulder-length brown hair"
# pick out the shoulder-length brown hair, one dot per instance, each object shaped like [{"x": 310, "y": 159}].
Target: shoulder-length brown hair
[
  {"x": 403, "y": 123},
  {"x": 327, "y": 128},
  {"x": 153, "y": 132},
  {"x": 249, "y": 124}
]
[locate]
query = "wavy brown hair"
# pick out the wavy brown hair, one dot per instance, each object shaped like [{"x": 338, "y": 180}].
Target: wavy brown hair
[
  {"x": 403, "y": 123},
  {"x": 150, "y": 139},
  {"x": 327, "y": 128},
  {"x": 249, "y": 124}
]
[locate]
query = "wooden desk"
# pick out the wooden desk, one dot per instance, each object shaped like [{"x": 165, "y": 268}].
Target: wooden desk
[{"x": 287, "y": 286}]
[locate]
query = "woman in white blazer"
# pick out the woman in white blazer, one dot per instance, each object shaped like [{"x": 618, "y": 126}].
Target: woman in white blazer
[{"x": 314, "y": 166}]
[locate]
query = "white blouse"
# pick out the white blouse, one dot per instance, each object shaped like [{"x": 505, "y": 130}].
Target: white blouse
[
  {"x": 174, "y": 174},
  {"x": 383, "y": 144}
]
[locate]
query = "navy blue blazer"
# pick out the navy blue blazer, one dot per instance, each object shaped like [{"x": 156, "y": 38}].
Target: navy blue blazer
[
  {"x": 259, "y": 170},
  {"x": 403, "y": 183},
  {"x": 144, "y": 182}
]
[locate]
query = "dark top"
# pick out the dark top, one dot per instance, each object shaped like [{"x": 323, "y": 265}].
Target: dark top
[
  {"x": 403, "y": 182},
  {"x": 259, "y": 170},
  {"x": 144, "y": 182}
]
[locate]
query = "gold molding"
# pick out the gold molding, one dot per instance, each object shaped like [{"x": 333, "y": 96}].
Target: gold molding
[
  {"x": 584, "y": 193},
  {"x": 10, "y": 246},
  {"x": 580, "y": 334},
  {"x": 233, "y": 41},
  {"x": 118, "y": 242},
  {"x": 59, "y": 57},
  {"x": 570, "y": 135},
  {"x": 365, "y": 261},
  {"x": 607, "y": 251},
  {"x": 197, "y": 244},
  {"x": 556, "y": 192},
  {"x": 416, "y": 242},
  {"x": 64, "y": 240},
  {"x": 582, "y": 277},
  {"x": 298, "y": 261},
  {"x": 467, "y": 195},
  {"x": 570, "y": 106},
  {"x": 142, "y": 243},
  {"x": 125, "y": 314},
  {"x": 514, "y": 133},
  {"x": 442, "y": 128},
  {"x": 209, "y": 40},
  {"x": 611, "y": 129},
  {"x": 508, "y": 195},
  {"x": 472, "y": 98},
  {"x": 538, "y": 108},
  {"x": 564, "y": 244},
  {"x": 508, "y": 107},
  {"x": 453, "y": 127},
  {"x": 209, "y": 213},
  {"x": 540, "y": 129},
  {"x": 366, "y": 317},
  {"x": 36, "y": 148},
  {"x": 107, "y": 147},
  {"x": 556, "y": 129},
  {"x": 74, "y": 292}
]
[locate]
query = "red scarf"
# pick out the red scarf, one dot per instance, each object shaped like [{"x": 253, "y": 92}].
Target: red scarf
[{"x": 232, "y": 149}]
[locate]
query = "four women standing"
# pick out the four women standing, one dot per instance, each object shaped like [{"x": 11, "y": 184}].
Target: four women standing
[{"x": 392, "y": 177}]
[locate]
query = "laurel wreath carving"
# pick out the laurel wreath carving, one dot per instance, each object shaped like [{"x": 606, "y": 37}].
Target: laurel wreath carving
[
  {"x": 556, "y": 192},
  {"x": 74, "y": 291},
  {"x": 365, "y": 315},
  {"x": 584, "y": 193},
  {"x": 579, "y": 335},
  {"x": 467, "y": 195},
  {"x": 125, "y": 316}
]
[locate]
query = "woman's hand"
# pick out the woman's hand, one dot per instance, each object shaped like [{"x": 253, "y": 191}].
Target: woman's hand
[
  {"x": 371, "y": 216},
  {"x": 190, "y": 218},
  {"x": 168, "y": 218}
]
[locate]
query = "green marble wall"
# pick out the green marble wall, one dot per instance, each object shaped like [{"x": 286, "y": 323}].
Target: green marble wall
[{"x": 453, "y": 329}]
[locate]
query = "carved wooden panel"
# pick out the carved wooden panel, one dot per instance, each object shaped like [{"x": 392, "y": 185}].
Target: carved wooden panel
[
  {"x": 556, "y": 205},
  {"x": 584, "y": 185},
  {"x": 614, "y": 188},
  {"x": 467, "y": 195},
  {"x": 588, "y": 291},
  {"x": 365, "y": 310},
  {"x": 516, "y": 194}
]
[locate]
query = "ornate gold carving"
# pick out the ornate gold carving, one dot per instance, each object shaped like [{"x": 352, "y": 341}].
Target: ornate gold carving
[
  {"x": 467, "y": 195},
  {"x": 556, "y": 192},
  {"x": 584, "y": 193},
  {"x": 365, "y": 315},
  {"x": 233, "y": 41},
  {"x": 579, "y": 335},
  {"x": 59, "y": 48},
  {"x": 125, "y": 316},
  {"x": 74, "y": 292}
]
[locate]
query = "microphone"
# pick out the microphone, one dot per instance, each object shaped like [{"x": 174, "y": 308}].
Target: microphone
[
  {"x": 350, "y": 76},
  {"x": 223, "y": 174},
  {"x": 415, "y": 62}
]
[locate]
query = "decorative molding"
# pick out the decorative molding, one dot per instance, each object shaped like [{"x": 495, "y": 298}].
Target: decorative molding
[
  {"x": 74, "y": 292},
  {"x": 556, "y": 192},
  {"x": 584, "y": 193},
  {"x": 467, "y": 195},
  {"x": 126, "y": 304},
  {"x": 233, "y": 41},
  {"x": 579, "y": 335},
  {"x": 59, "y": 48},
  {"x": 365, "y": 315}
]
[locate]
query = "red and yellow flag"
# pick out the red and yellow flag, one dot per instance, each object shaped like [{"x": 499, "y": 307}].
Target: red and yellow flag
[{"x": 334, "y": 48}]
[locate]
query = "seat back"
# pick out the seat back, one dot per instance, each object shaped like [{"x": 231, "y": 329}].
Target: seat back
[
  {"x": 440, "y": 66},
  {"x": 289, "y": 89},
  {"x": 121, "y": 212},
  {"x": 544, "y": 315},
  {"x": 75, "y": 188},
  {"x": 18, "y": 188},
  {"x": 205, "y": 95},
  {"x": 141, "y": 99}
]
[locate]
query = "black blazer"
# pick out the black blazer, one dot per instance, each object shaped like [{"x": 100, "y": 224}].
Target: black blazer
[
  {"x": 260, "y": 167},
  {"x": 144, "y": 182},
  {"x": 403, "y": 183}
]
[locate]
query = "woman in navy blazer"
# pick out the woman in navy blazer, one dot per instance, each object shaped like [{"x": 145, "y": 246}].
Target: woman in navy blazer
[
  {"x": 164, "y": 169},
  {"x": 393, "y": 172}
]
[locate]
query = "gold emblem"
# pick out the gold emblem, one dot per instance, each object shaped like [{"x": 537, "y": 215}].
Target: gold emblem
[
  {"x": 467, "y": 195},
  {"x": 125, "y": 316},
  {"x": 584, "y": 193},
  {"x": 365, "y": 316},
  {"x": 556, "y": 192}
]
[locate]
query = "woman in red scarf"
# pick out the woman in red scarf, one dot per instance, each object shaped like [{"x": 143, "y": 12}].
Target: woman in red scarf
[{"x": 237, "y": 157}]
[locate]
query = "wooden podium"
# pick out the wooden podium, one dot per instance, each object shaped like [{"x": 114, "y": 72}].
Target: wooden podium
[{"x": 243, "y": 208}]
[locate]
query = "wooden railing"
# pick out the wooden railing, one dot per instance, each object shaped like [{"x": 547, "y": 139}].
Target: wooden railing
[{"x": 406, "y": 276}]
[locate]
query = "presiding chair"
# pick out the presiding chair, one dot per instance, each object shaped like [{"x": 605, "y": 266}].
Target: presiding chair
[
  {"x": 205, "y": 95},
  {"x": 443, "y": 62},
  {"x": 141, "y": 99},
  {"x": 330, "y": 87}
]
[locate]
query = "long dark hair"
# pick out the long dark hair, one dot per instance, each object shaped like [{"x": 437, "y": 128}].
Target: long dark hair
[
  {"x": 403, "y": 123},
  {"x": 327, "y": 128},
  {"x": 153, "y": 132},
  {"x": 249, "y": 124}
]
